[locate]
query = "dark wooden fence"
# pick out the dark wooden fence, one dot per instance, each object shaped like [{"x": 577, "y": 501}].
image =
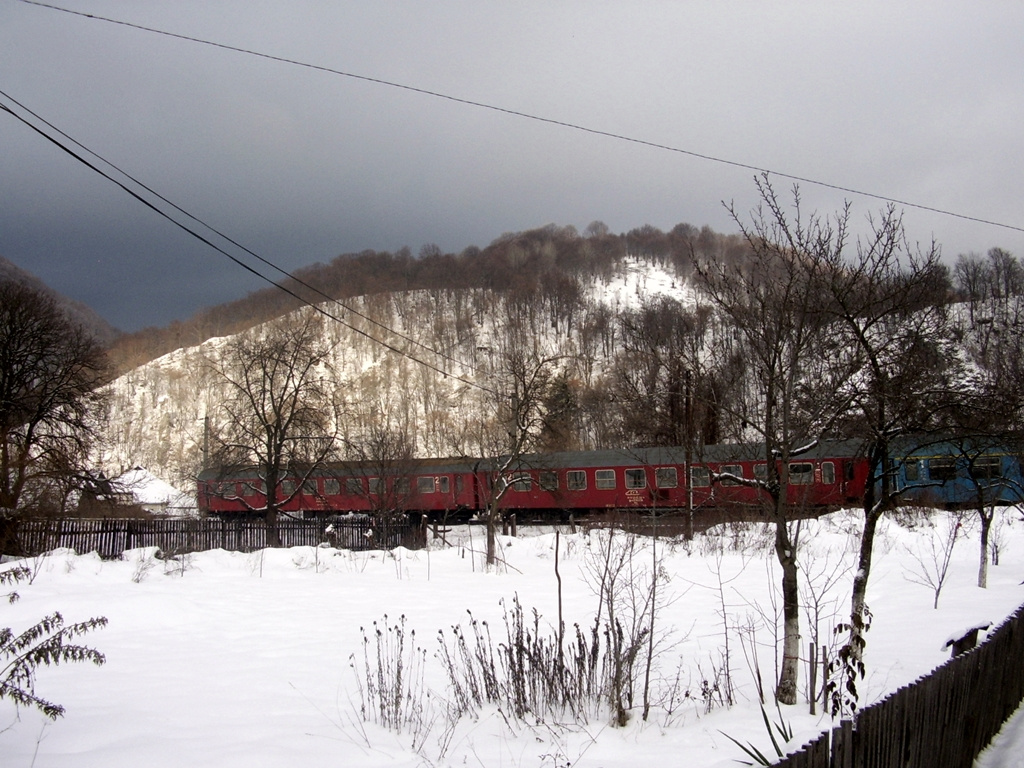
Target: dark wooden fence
[
  {"x": 110, "y": 537},
  {"x": 942, "y": 720}
]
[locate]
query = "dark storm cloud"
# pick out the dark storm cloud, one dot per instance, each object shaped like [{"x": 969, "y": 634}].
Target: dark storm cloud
[{"x": 909, "y": 100}]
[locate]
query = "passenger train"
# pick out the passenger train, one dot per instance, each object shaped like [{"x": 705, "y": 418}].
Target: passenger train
[{"x": 652, "y": 480}]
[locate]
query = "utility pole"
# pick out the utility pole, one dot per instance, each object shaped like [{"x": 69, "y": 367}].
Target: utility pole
[{"x": 688, "y": 415}]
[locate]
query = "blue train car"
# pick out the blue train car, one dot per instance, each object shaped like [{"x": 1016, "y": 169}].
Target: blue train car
[{"x": 958, "y": 473}]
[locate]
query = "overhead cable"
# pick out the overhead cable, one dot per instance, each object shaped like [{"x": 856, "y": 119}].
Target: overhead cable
[
  {"x": 534, "y": 117},
  {"x": 235, "y": 243},
  {"x": 149, "y": 204}
]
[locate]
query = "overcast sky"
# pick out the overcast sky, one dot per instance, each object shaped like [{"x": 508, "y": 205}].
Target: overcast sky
[{"x": 923, "y": 102}]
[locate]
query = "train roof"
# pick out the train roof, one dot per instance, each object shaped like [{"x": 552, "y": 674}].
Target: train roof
[
  {"x": 623, "y": 457},
  {"x": 361, "y": 468},
  {"x": 923, "y": 446},
  {"x": 656, "y": 456}
]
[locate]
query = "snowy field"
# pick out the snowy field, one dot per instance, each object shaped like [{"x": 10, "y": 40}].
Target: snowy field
[{"x": 245, "y": 660}]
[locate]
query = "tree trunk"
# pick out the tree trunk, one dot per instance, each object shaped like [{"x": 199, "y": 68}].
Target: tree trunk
[
  {"x": 856, "y": 641},
  {"x": 272, "y": 479},
  {"x": 273, "y": 534},
  {"x": 986, "y": 523},
  {"x": 492, "y": 536},
  {"x": 784, "y": 549},
  {"x": 877, "y": 495}
]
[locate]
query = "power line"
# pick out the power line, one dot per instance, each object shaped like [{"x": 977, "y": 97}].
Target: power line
[
  {"x": 149, "y": 204},
  {"x": 534, "y": 117},
  {"x": 235, "y": 243}
]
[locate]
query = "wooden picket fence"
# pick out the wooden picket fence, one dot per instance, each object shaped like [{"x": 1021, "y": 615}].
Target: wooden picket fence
[
  {"x": 110, "y": 537},
  {"x": 943, "y": 720}
]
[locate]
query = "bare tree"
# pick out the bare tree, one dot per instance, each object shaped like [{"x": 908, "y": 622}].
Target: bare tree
[
  {"x": 888, "y": 303},
  {"x": 660, "y": 375},
  {"x": 522, "y": 385},
  {"x": 980, "y": 452},
  {"x": 971, "y": 278},
  {"x": 989, "y": 415},
  {"x": 880, "y": 329},
  {"x": 278, "y": 414},
  {"x": 933, "y": 558},
  {"x": 1007, "y": 274},
  {"x": 561, "y": 431},
  {"x": 50, "y": 374},
  {"x": 773, "y": 303},
  {"x": 385, "y": 455}
]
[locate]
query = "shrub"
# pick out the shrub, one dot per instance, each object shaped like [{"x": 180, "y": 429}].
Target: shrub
[{"x": 49, "y": 641}]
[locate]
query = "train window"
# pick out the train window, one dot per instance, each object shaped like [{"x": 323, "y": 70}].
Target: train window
[
  {"x": 521, "y": 483},
  {"x": 636, "y": 478},
  {"x": 700, "y": 477},
  {"x": 402, "y": 485},
  {"x": 987, "y": 468},
  {"x": 332, "y": 486},
  {"x": 424, "y": 485},
  {"x": 761, "y": 472},
  {"x": 731, "y": 469},
  {"x": 251, "y": 488},
  {"x": 309, "y": 486},
  {"x": 828, "y": 473},
  {"x": 287, "y": 487},
  {"x": 444, "y": 484},
  {"x": 576, "y": 480},
  {"x": 801, "y": 473},
  {"x": 376, "y": 485},
  {"x": 549, "y": 481},
  {"x": 353, "y": 486},
  {"x": 666, "y": 477},
  {"x": 912, "y": 470},
  {"x": 604, "y": 479},
  {"x": 942, "y": 469}
]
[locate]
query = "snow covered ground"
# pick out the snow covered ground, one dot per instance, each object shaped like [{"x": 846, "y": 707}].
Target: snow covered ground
[
  {"x": 1007, "y": 748},
  {"x": 228, "y": 659}
]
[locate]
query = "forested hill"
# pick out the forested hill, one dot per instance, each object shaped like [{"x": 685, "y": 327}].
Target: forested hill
[
  {"x": 551, "y": 259},
  {"x": 425, "y": 365},
  {"x": 633, "y": 342}
]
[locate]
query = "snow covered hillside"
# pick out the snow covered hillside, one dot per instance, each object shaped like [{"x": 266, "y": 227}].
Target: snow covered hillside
[
  {"x": 266, "y": 659},
  {"x": 159, "y": 411}
]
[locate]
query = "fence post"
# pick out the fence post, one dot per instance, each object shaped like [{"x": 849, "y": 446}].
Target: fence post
[
  {"x": 813, "y": 684},
  {"x": 842, "y": 745}
]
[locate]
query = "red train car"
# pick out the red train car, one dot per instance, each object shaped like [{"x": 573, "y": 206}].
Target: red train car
[
  {"x": 428, "y": 486},
  {"x": 654, "y": 480},
  {"x": 668, "y": 480}
]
